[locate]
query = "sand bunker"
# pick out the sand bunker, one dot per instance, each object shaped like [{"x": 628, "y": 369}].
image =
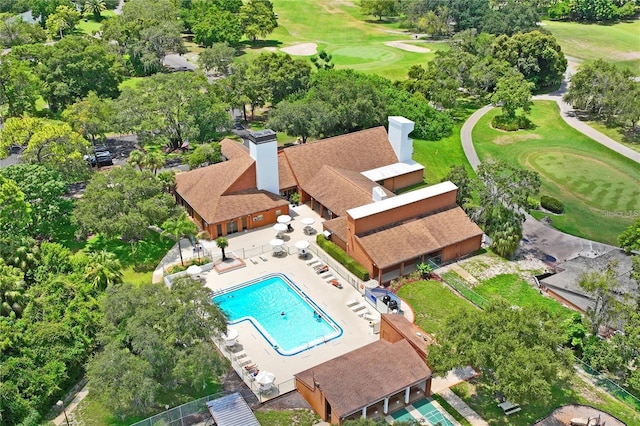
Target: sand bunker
[
  {"x": 302, "y": 49},
  {"x": 408, "y": 47}
]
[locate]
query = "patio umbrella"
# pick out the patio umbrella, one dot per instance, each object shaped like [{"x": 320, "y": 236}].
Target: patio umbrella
[
  {"x": 231, "y": 334},
  {"x": 285, "y": 218},
  {"x": 276, "y": 242},
  {"x": 302, "y": 244},
  {"x": 265, "y": 378},
  {"x": 194, "y": 270},
  {"x": 307, "y": 221},
  {"x": 280, "y": 227}
]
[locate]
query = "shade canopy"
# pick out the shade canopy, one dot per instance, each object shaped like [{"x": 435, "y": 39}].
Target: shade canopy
[
  {"x": 307, "y": 221},
  {"x": 276, "y": 242},
  {"x": 285, "y": 218},
  {"x": 280, "y": 227},
  {"x": 265, "y": 378},
  {"x": 302, "y": 244},
  {"x": 194, "y": 270}
]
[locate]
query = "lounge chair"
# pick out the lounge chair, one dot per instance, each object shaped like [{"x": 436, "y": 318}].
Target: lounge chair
[
  {"x": 335, "y": 283},
  {"x": 357, "y": 308},
  {"x": 322, "y": 269},
  {"x": 351, "y": 303},
  {"x": 369, "y": 317}
]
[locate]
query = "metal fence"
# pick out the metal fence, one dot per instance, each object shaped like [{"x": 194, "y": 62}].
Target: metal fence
[
  {"x": 612, "y": 387},
  {"x": 237, "y": 364},
  {"x": 456, "y": 282},
  {"x": 191, "y": 413}
]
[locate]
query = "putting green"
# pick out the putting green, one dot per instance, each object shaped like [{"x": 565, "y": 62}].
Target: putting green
[
  {"x": 596, "y": 183},
  {"x": 351, "y": 55},
  {"x": 600, "y": 188}
]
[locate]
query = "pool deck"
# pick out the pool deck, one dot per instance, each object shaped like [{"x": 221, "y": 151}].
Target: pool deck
[{"x": 357, "y": 331}]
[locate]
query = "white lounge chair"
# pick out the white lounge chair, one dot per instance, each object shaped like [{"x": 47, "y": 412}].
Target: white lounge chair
[
  {"x": 351, "y": 303},
  {"x": 359, "y": 307}
]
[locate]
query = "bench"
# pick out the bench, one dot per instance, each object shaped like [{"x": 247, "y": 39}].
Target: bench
[{"x": 509, "y": 408}]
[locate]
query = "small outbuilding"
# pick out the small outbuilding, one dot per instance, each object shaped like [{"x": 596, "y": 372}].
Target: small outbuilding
[{"x": 368, "y": 382}]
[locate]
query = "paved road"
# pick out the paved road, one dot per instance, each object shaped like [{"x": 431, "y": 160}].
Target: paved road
[{"x": 541, "y": 240}]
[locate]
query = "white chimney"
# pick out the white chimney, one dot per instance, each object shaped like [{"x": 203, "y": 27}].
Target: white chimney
[
  {"x": 378, "y": 194},
  {"x": 399, "y": 129},
  {"x": 263, "y": 148}
]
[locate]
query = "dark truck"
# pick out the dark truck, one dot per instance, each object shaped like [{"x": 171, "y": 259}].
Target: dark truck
[{"x": 102, "y": 157}]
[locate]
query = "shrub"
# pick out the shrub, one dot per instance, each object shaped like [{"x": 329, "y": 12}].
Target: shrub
[
  {"x": 511, "y": 124},
  {"x": 552, "y": 204},
  {"x": 343, "y": 258},
  {"x": 532, "y": 203}
]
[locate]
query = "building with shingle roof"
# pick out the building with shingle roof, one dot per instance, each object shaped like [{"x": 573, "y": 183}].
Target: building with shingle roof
[
  {"x": 373, "y": 380},
  {"x": 347, "y": 179}
]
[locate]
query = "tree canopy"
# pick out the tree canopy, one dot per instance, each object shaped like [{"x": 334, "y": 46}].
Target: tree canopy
[
  {"x": 43, "y": 189},
  {"x": 257, "y": 19},
  {"x": 50, "y": 143},
  {"x": 122, "y": 203},
  {"x": 175, "y": 108},
  {"x": 155, "y": 341},
  {"x": 629, "y": 239},
  {"x": 517, "y": 350}
]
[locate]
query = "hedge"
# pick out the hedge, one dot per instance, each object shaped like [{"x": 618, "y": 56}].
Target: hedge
[
  {"x": 343, "y": 258},
  {"x": 552, "y": 204}
]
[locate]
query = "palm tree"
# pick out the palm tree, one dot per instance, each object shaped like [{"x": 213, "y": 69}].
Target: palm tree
[
  {"x": 154, "y": 160},
  {"x": 179, "y": 227},
  {"x": 136, "y": 158},
  {"x": 103, "y": 270},
  {"x": 96, "y": 7},
  {"x": 222, "y": 244}
]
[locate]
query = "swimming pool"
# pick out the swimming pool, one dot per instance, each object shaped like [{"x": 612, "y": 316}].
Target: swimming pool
[{"x": 283, "y": 314}]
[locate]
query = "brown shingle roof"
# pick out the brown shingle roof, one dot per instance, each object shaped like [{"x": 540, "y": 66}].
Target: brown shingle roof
[
  {"x": 366, "y": 375},
  {"x": 358, "y": 151},
  {"x": 203, "y": 188},
  {"x": 285, "y": 174},
  {"x": 409, "y": 330},
  {"x": 389, "y": 247},
  {"x": 340, "y": 190},
  {"x": 337, "y": 226},
  {"x": 246, "y": 202}
]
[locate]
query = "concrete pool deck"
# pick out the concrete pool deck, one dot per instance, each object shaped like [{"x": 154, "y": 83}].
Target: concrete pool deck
[{"x": 357, "y": 331}]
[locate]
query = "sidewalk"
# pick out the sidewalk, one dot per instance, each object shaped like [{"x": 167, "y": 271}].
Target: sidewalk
[{"x": 462, "y": 408}]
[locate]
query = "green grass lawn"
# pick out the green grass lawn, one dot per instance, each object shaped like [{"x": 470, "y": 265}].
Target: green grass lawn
[
  {"x": 575, "y": 391},
  {"x": 89, "y": 26},
  {"x": 518, "y": 292},
  {"x": 130, "y": 82},
  {"x": 617, "y": 43},
  {"x": 432, "y": 303},
  {"x": 615, "y": 133},
  {"x": 286, "y": 417},
  {"x": 354, "y": 40},
  {"x": 598, "y": 187},
  {"x": 437, "y": 157}
]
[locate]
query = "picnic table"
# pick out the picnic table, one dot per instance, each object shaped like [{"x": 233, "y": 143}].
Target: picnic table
[{"x": 509, "y": 407}]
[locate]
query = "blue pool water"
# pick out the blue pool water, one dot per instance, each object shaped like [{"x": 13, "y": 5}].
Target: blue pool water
[{"x": 264, "y": 301}]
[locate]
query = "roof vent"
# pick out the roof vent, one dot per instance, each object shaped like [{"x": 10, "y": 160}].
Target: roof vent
[{"x": 378, "y": 194}]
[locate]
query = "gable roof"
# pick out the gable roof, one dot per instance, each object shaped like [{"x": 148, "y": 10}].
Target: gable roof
[
  {"x": 205, "y": 189},
  {"x": 341, "y": 189},
  {"x": 565, "y": 281},
  {"x": 357, "y": 151},
  {"x": 406, "y": 241},
  {"x": 286, "y": 177},
  {"x": 356, "y": 379}
]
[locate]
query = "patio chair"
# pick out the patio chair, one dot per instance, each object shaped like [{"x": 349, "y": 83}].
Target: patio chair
[
  {"x": 359, "y": 307},
  {"x": 335, "y": 283},
  {"x": 322, "y": 269},
  {"x": 351, "y": 303}
]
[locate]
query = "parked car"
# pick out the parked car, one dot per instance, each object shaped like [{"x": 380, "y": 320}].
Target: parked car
[{"x": 103, "y": 158}]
